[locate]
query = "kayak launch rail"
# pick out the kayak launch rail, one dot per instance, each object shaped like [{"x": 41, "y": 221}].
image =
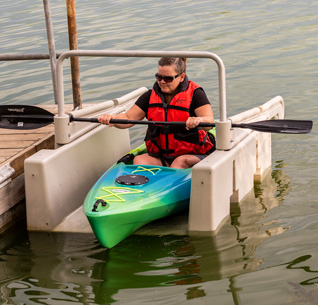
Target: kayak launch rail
[
  {"x": 222, "y": 178},
  {"x": 61, "y": 121}
]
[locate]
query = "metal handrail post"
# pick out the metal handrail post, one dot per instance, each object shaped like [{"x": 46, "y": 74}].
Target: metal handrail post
[{"x": 51, "y": 43}]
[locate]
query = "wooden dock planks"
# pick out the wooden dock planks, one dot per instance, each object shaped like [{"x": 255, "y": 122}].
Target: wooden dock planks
[{"x": 15, "y": 147}]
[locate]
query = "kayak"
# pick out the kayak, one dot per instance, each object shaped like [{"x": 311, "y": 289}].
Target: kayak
[{"x": 127, "y": 197}]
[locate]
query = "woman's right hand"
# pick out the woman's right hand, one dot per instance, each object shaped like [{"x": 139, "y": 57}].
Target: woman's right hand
[
  {"x": 134, "y": 113},
  {"x": 105, "y": 119}
]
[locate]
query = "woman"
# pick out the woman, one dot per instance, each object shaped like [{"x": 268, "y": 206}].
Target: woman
[{"x": 173, "y": 98}]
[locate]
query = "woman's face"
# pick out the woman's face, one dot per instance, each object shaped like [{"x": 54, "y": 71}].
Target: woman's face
[{"x": 169, "y": 88}]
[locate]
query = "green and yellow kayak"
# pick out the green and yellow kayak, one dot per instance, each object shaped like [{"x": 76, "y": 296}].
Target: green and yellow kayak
[{"x": 129, "y": 196}]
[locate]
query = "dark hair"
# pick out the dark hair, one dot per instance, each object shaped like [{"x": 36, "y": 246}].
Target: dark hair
[{"x": 180, "y": 63}]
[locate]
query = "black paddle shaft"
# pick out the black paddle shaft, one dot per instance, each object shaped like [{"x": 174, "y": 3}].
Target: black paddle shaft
[
  {"x": 32, "y": 117},
  {"x": 272, "y": 126}
]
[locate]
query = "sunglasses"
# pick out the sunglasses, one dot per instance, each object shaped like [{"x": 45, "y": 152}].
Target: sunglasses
[{"x": 167, "y": 79}]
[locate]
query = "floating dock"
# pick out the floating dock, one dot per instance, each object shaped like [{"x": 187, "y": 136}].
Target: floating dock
[
  {"x": 58, "y": 177},
  {"x": 15, "y": 147}
]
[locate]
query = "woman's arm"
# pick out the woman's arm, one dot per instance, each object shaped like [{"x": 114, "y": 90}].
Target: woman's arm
[
  {"x": 134, "y": 113},
  {"x": 203, "y": 114}
]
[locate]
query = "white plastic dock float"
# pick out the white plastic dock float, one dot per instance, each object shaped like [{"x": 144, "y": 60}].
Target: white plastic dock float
[
  {"x": 227, "y": 176},
  {"x": 58, "y": 180}
]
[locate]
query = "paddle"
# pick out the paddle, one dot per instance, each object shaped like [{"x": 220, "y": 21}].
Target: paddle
[{"x": 32, "y": 117}]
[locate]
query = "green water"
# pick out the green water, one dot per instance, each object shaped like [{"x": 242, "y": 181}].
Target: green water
[{"x": 267, "y": 251}]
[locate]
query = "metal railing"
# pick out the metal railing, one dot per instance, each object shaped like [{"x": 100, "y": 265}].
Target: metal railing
[
  {"x": 138, "y": 53},
  {"x": 62, "y": 128}
]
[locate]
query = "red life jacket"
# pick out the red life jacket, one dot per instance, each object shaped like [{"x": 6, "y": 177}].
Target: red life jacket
[{"x": 174, "y": 140}]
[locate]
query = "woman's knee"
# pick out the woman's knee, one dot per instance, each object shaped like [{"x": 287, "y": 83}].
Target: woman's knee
[
  {"x": 145, "y": 159},
  {"x": 138, "y": 159},
  {"x": 185, "y": 161}
]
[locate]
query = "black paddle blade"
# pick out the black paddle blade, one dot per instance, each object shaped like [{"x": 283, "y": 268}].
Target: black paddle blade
[
  {"x": 24, "y": 117},
  {"x": 280, "y": 126}
]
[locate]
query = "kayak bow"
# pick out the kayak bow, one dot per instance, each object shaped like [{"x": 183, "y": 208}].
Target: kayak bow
[{"x": 129, "y": 196}]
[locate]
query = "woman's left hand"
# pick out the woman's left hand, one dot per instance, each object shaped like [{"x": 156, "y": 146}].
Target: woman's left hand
[{"x": 193, "y": 122}]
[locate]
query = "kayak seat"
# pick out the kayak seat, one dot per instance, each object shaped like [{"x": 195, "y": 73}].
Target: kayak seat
[{"x": 126, "y": 158}]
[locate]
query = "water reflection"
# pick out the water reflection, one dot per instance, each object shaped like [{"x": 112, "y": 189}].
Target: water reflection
[{"x": 74, "y": 268}]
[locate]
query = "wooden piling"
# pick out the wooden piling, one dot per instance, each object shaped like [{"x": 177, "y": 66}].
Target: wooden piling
[{"x": 72, "y": 30}]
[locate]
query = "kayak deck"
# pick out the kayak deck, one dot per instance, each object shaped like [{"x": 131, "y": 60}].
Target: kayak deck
[{"x": 127, "y": 197}]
